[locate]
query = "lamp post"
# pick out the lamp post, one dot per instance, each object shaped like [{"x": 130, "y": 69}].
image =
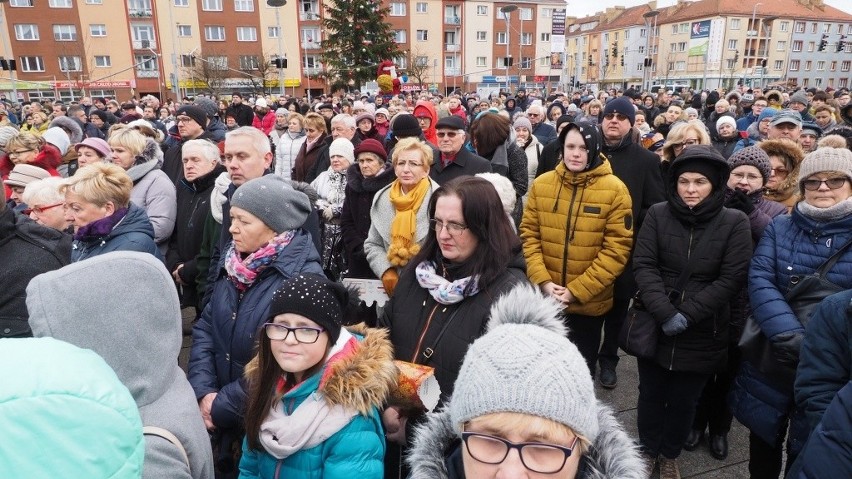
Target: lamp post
[
  {"x": 506, "y": 11},
  {"x": 279, "y": 3},
  {"x": 648, "y": 16}
]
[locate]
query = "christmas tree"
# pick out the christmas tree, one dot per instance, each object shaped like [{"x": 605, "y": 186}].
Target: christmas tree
[{"x": 357, "y": 40}]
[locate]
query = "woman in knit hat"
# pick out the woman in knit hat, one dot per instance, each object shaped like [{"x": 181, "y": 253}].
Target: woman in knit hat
[
  {"x": 691, "y": 230},
  {"x": 330, "y": 185},
  {"x": 366, "y": 128},
  {"x": 784, "y": 159},
  {"x": 268, "y": 247},
  {"x": 281, "y": 125},
  {"x": 792, "y": 246},
  {"x": 530, "y": 144},
  {"x": 315, "y": 388},
  {"x": 92, "y": 150},
  {"x": 724, "y": 136},
  {"x": 523, "y": 385},
  {"x": 382, "y": 122}
]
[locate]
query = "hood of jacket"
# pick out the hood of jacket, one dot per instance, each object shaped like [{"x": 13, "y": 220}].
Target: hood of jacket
[
  {"x": 846, "y": 114},
  {"x": 357, "y": 183},
  {"x": 430, "y": 108},
  {"x": 70, "y": 125},
  {"x": 150, "y": 159},
  {"x": 593, "y": 139}
]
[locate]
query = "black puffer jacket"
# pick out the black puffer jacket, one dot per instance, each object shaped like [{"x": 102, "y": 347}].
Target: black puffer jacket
[
  {"x": 665, "y": 245},
  {"x": 355, "y": 216}
]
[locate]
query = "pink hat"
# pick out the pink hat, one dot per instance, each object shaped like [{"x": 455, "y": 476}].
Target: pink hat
[{"x": 97, "y": 144}]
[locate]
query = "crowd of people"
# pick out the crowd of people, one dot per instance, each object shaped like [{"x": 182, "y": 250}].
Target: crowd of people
[{"x": 513, "y": 235}]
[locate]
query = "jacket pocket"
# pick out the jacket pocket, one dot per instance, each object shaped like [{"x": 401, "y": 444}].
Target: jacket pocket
[{"x": 14, "y": 327}]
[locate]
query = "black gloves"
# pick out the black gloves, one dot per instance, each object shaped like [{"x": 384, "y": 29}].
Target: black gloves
[
  {"x": 740, "y": 201},
  {"x": 785, "y": 348}
]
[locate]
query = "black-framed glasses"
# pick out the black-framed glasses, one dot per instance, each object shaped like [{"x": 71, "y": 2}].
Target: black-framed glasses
[
  {"x": 685, "y": 143},
  {"x": 832, "y": 183},
  {"x": 20, "y": 152},
  {"x": 617, "y": 116},
  {"x": 453, "y": 228},
  {"x": 448, "y": 134},
  {"x": 535, "y": 456},
  {"x": 303, "y": 334}
]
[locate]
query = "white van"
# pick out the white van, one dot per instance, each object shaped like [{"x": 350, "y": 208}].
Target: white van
[{"x": 670, "y": 87}]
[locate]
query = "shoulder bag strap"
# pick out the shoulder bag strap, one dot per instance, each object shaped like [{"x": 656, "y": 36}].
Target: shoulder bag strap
[
  {"x": 833, "y": 259},
  {"x": 687, "y": 270},
  {"x": 430, "y": 350},
  {"x": 168, "y": 436}
]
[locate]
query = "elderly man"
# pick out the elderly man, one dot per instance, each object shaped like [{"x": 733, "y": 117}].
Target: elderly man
[
  {"x": 201, "y": 168},
  {"x": 786, "y": 124},
  {"x": 191, "y": 124},
  {"x": 342, "y": 126},
  {"x": 544, "y": 132},
  {"x": 800, "y": 102},
  {"x": 455, "y": 160}
]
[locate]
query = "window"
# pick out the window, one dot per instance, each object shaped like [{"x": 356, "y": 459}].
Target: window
[
  {"x": 311, "y": 62},
  {"x": 797, "y": 45},
  {"x": 422, "y": 7},
  {"x": 501, "y": 38},
  {"x": 794, "y": 65},
  {"x": 450, "y": 61},
  {"x": 244, "y": 6},
  {"x": 731, "y": 63},
  {"x": 402, "y": 62},
  {"x": 526, "y": 13},
  {"x": 732, "y": 44},
  {"x": 826, "y": 28},
  {"x": 64, "y": 33},
  {"x": 640, "y": 66},
  {"x": 249, "y": 62},
  {"x": 481, "y": 62},
  {"x": 181, "y": 3},
  {"x": 544, "y": 61},
  {"x": 781, "y": 46},
  {"x": 481, "y": 36},
  {"x": 139, "y": 8},
  {"x": 184, "y": 30},
  {"x": 26, "y": 31},
  {"x": 846, "y": 65},
  {"x": 311, "y": 37},
  {"x": 684, "y": 28},
  {"x": 820, "y": 66},
  {"x": 211, "y": 5},
  {"x": 526, "y": 38},
  {"x": 97, "y": 30},
  {"x": 214, "y": 33},
  {"x": 526, "y": 63},
  {"x": 397, "y": 9},
  {"x": 833, "y": 66},
  {"x": 94, "y": 2},
  {"x": 546, "y": 12},
  {"x": 422, "y": 61},
  {"x": 273, "y": 32},
  {"x": 143, "y": 34},
  {"x": 23, "y": 3},
  {"x": 681, "y": 46},
  {"x": 808, "y": 64},
  {"x": 735, "y": 24},
  {"x": 674, "y": 29},
  {"x": 400, "y": 36},
  {"x": 784, "y": 26},
  {"x": 843, "y": 83},
  {"x": 813, "y": 27},
  {"x": 32, "y": 64},
  {"x": 60, "y": 4},
  {"x": 218, "y": 62},
  {"x": 422, "y": 35},
  {"x": 69, "y": 63},
  {"x": 482, "y": 9},
  {"x": 641, "y": 49},
  {"x": 800, "y": 27},
  {"x": 146, "y": 63},
  {"x": 811, "y": 46},
  {"x": 103, "y": 61},
  {"x": 246, "y": 34},
  {"x": 545, "y": 36},
  {"x": 187, "y": 61},
  {"x": 778, "y": 65}
]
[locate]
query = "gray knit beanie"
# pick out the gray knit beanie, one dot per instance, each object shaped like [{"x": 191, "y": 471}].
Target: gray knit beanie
[
  {"x": 800, "y": 97},
  {"x": 825, "y": 159},
  {"x": 273, "y": 201},
  {"x": 6, "y": 133},
  {"x": 523, "y": 122},
  {"x": 752, "y": 156},
  {"x": 525, "y": 364}
]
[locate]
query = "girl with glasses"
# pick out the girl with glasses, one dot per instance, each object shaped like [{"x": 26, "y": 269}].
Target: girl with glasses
[{"x": 315, "y": 388}]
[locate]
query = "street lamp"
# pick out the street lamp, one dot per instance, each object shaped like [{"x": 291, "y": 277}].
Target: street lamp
[
  {"x": 648, "y": 16},
  {"x": 279, "y": 3},
  {"x": 506, "y": 11}
]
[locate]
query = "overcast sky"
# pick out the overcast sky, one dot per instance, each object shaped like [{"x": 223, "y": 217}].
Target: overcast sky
[{"x": 581, "y": 8}]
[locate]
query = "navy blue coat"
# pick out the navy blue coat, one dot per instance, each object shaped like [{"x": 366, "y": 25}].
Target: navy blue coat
[
  {"x": 223, "y": 340},
  {"x": 133, "y": 233},
  {"x": 828, "y": 452}
]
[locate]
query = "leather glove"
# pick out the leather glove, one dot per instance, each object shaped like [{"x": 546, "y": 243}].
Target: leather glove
[
  {"x": 389, "y": 279},
  {"x": 676, "y": 325},
  {"x": 327, "y": 213},
  {"x": 786, "y": 346},
  {"x": 740, "y": 201}
]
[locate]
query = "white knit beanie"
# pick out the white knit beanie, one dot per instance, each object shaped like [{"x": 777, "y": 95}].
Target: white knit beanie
[
  {"x": 826, "y": 159},
  {"x": 342, "y": 147},
  {"x": 726, "y": 119},
  {"x": 525, "y": 364}
]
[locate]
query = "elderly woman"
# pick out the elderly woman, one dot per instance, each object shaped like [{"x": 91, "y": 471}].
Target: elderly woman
[
  {"x": 491, "y": 137},
  {"x": 281, "y": 126},
  {"x": 330, "y": 186},
  {"x": 691, "y": 231},
  {"x": 45, "y": 204},
  {"x": 793, "y": 246},
  {"x": 268, "y": 247},
  {"x": 315, "y": 135},
  {"x": 366, "y": 123},
  {"x": 142, "y": 158},
  {"x": 784, "y": 158},
  {"x": 91, "y": 151},
  {"x": 27, "y": 148},
  {"x": 684, "y": 135},
  {"x": 469, "y": 258},
  {"x": 288, "y": 145},
  {"x": 398, "y": 215},
  {"x": 577, "y": 231},
  {"x": 724, "y": 136},
  {"x": 97, "y": 204}
]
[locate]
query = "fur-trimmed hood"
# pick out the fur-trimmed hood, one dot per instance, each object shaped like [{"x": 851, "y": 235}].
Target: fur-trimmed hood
[
  {"x": 71, "y": 126},
  {"x": 150, "y": 159},
  {"x": 612, "y": 455}
]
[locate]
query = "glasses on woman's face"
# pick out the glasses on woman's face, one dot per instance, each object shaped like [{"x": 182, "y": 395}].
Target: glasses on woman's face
[
  {"x": 685, "y": 143},
  {"x": 303, "y": 334},
  {"x": 535, "y": 456},
  {"x": 38, "y": 210},
  {"x": 832, "y": 183},
  {"x": 19, "y": 152},
  {"x": 453, "y": 228},
  {"x": 781, "y": 171}
]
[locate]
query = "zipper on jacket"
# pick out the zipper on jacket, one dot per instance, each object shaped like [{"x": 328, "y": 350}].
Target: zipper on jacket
[
  {"x": 688, "y": 256},
  {"x": 671, "y": 360},
  {"x": 425, "y": 329},
  {"x": 565, "y": 243}
]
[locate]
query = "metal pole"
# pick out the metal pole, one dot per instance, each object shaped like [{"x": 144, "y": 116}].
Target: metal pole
[
  {"x": 520, "y": 47},
  {"x": 506, "y": 11},
  {"x": 6, "y": 55},
  {"x": 280, "y": 52}
]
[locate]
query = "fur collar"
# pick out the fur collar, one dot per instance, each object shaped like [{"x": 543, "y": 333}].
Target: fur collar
[
  {"x": 613, "y": 455},
  {"x": 150, "y": 159}
]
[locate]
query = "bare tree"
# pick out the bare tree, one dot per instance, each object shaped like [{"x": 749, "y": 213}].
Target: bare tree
[
  {"x": 259, "y": 71},
  {"x": 418, "y": 64},
  {"x": 210, "y": 69}
]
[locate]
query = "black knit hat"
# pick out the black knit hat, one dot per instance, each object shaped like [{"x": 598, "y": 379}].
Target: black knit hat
[
  {"x": 194, "y": 112},
  {"x": 405, "y": 125},
  {"x": 314, "y": 297}
]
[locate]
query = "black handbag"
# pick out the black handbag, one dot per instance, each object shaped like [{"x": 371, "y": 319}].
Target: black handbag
[{"x": 804, "y": 295}]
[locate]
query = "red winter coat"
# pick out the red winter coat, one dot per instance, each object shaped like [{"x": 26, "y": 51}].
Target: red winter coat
[
  {"x": 266, "y": 124},
  {"x": 48, "y": 159}
]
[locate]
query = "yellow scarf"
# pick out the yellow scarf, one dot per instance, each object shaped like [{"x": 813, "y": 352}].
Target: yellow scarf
[{"x": 403, "y": 247}]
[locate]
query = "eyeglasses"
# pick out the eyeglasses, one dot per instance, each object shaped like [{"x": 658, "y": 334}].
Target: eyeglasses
[
  {"x": 533, "y": 114},
  {"x": 617, "y": 116},
  {"x": 448, "y": 134},
  {"x": 183, "y": 119},
  {"x": 750, "y": 177},
  {"x": 303, "y": 335},
  {"x": 453, "y": 228},
  {"x": 40, "y": 209},
  {"x": 537, "y": 457},
  {"x": 19, "y": 152},
  {"x": 778, "y": 171},
  {"x": 832, "y": 183},
  {"x": 685, "y": 143}
]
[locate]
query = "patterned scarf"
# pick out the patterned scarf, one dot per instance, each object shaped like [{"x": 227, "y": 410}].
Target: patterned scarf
[
  {"x": 403, "y": 247},
  {"x": 243, "y": 272},
  {"x": 441, "y": 289}
]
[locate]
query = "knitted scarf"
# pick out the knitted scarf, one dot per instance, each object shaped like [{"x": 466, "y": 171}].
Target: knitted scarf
[
  {"x": 835, "y": 212},
  {"x": 403, "y": 247},
  {"x": 243, "y": 272},
  {"x": 100, "y": 228},
  {"x": 443, "y": 290}
]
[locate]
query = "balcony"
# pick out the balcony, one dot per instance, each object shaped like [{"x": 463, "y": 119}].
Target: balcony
[
  {"x": 452, "y": 20},
  {"x": 452, "y": 71},
  {"x": 147, "y": 73},
  {"x": 450, "y": 47},
  {"x": 140, "y": 13},
  {"x": 311, "y": 45},
  {"x": 144, "y": 44},
  {"x": 312, "y": 71},
  {"x": 307, "y": 16}
]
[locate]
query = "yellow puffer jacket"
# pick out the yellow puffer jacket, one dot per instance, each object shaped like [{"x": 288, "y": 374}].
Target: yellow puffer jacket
[{"x": 577, "y": 231}]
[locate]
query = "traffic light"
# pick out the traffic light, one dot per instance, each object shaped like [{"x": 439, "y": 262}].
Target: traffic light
[
  {"x": 590, "y": 60},
  {"x": 622, "y": 60},
  {"x": 823, "y": 43},
  {"x": 615, "y": 49},
  {"x": 763, "y": 63},
  {"x": 279, "y": 62},
  {"x": 841, "y": 44},
  {"x": 7, "y": 65}
]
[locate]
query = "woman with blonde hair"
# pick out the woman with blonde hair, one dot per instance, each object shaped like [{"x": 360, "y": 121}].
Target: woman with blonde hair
[
  {"x": 97, "y": 204},
  {"x": 36, "y": 123},
  {"x": 399, "y": 212},
  {"x": 308, "y": 153},
  {"x": 683, "y": 135},
  {"x": 31, "y": 149}
]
